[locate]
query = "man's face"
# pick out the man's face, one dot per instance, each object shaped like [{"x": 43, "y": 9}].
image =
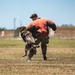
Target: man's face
[{"x": 34, "y": 18}]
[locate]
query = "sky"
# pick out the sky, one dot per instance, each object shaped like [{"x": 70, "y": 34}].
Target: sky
[{"x": 60, "y": 11}]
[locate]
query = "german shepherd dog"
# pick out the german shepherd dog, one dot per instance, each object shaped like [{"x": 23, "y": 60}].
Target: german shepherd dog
[{"x": 28, "y": 39}]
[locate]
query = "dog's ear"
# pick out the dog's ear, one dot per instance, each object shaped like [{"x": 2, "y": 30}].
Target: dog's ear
[{"x": 22, "y": 28}]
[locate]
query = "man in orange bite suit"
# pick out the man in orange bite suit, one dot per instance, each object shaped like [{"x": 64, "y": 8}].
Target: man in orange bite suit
[{"x": 39, "y": 28}]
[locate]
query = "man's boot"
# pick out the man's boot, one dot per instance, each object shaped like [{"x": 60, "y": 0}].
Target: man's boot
[{"x": 44, "y": 57}]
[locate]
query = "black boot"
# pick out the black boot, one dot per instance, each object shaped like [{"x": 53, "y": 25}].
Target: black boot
[{"x": 44, "y": 57}]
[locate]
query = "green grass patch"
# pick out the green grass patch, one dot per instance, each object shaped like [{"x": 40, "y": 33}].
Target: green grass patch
[
  {"x": 52, "y": 43},
  {"x": 11, "y": 43},
  {"x": 61, "y": 44}
]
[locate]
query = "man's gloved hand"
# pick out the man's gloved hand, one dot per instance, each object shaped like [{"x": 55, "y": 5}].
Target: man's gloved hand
[{"x": 34, "y": 31}]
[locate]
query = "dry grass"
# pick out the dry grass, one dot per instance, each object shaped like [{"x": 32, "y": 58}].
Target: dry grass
[{"x": 61, "y": 61}]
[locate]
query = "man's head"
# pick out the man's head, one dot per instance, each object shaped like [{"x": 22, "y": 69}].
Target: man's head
[{"x": 34, "y": 16}]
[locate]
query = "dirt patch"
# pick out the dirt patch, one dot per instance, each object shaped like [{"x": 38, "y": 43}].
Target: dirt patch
[{"x": 61, "y": 61}]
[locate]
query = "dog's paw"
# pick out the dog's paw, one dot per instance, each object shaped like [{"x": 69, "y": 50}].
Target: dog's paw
[{"x": 24, "y": 55}]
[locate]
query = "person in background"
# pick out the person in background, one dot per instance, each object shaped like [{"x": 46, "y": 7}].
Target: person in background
[{"x": 39, "y": 28}]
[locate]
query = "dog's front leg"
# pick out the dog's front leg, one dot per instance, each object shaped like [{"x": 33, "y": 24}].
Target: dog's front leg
[{"x": 25, "y": 51}]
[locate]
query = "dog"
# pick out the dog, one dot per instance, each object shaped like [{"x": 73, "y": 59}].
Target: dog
[{"x": 28, "y": 39}]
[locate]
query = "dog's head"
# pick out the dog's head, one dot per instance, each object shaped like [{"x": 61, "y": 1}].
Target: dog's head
[{"x": 22, "y": 29}]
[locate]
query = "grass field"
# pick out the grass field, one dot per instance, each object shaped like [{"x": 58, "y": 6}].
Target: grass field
[{"x": 60, "y": 53}]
